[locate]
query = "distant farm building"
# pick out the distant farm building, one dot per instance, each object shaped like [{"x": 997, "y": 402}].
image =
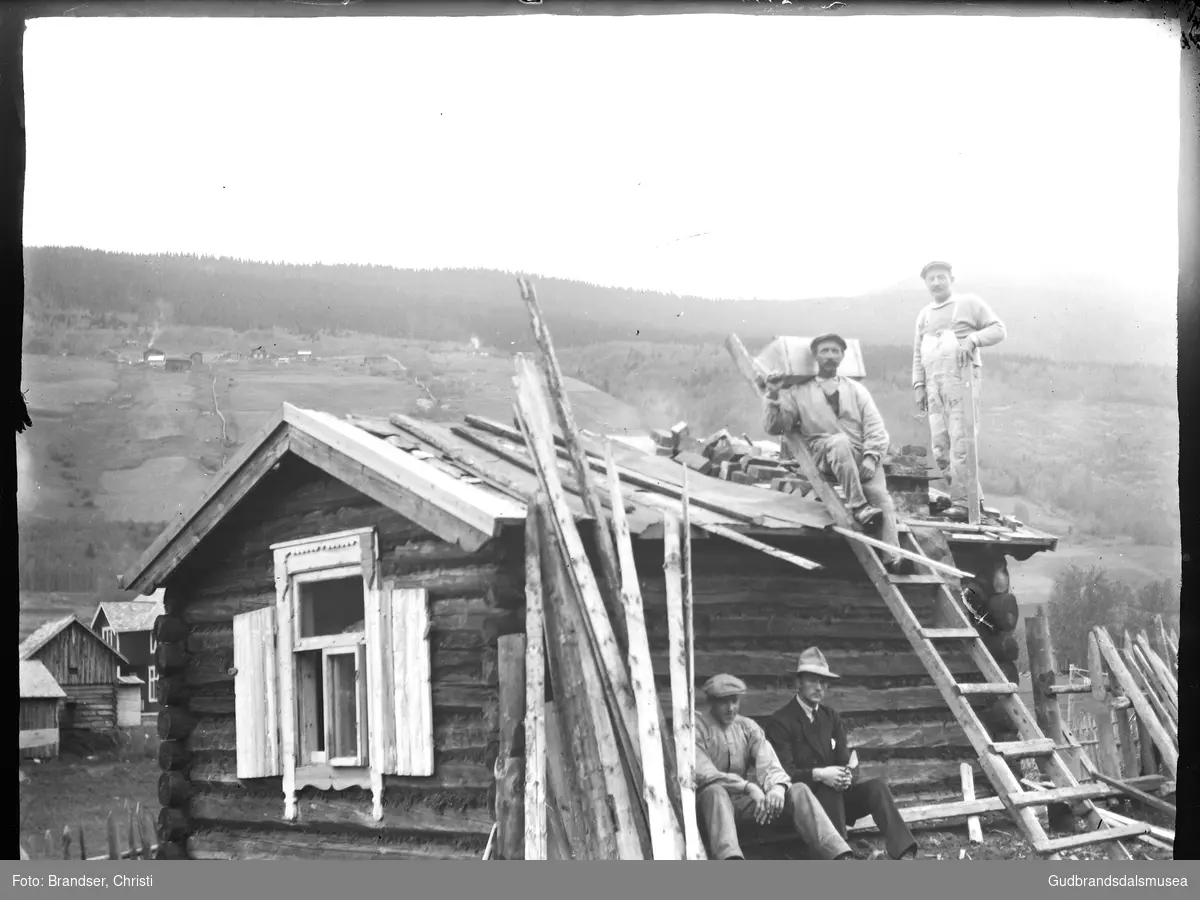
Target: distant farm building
[
  {"x": 197, "y": 358},
  {"x": 41, "y": 700},
  {"x": 154, "y": 357},
  {"x": 259, "y": 353},
  {"x": 304, "y": 355},
  {"x": 178, "y": 365},
  {"x": 84, "y": 666},
  {"x": 128, "y": 627}
]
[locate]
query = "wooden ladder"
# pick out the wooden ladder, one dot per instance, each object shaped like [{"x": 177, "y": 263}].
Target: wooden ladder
[{"x": 957, "y": 630}]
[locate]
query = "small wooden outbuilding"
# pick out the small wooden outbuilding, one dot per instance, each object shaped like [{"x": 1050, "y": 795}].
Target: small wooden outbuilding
[
  {"x": 330, "y": 677},
  {"x": 41, "y": 700},
  {"x": 84, "y": 666}
]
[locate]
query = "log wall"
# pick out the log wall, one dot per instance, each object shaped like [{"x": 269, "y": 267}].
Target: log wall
[
  {"x": 40, "y": 715},
  {"x": 754, "y": 614},
  {"x": 474, "y": 598}
]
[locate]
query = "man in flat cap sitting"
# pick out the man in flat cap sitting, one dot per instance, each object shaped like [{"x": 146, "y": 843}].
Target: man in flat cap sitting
[
  {"x": 950, "y": 331},
  {"x": 811, "y": 744},
  {"x": 739, "y": 780},
  {"x": 837, "y": 420}
]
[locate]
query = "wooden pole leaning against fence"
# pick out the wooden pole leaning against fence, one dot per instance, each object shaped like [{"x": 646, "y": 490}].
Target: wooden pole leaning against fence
[
  {"x": 1162, "y": 740},
  {"x": 1042, "y": 675},
  {"x": 1098, "y": 703}
]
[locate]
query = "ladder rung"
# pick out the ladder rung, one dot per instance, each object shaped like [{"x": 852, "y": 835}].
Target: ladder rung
[
  {"x": 1062, "y": 795},
  {"x": 1099, "y": 836},
  {"x": 1023, "y": 749},
  {"x": 1002, "y": 688},
  {"x": 916, "y": 579},
  {"x": 949, "y": 634}
]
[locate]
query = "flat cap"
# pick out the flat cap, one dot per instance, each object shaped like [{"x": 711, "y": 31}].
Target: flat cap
[
  {"x": 723, "y": 686},
  {"x": 820, "y": 339},
  {"x": 937, "y": 264}
]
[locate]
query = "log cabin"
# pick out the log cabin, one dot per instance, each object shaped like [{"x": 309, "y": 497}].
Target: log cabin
[
  {"x": 328, "y": 651},
  {"x": 84, "y": 666}
]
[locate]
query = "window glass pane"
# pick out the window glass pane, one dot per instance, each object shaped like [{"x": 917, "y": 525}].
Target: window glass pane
[
  {"x": 343, "y": 705},
  {"x": 331, "y": 607},
  {"x": 310, "y": 687}
]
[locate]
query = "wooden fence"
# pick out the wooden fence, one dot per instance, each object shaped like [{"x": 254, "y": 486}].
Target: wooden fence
[{"x": 137, "y": 823}]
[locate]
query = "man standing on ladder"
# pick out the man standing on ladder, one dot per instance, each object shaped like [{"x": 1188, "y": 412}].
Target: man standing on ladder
[{"x": 946, "y": 365}]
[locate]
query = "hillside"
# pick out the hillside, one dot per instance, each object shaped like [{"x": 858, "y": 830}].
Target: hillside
[{"x": 1069, "y": 320}]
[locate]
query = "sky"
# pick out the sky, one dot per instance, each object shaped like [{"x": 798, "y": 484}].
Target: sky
[{"x": 724, "y": 156}]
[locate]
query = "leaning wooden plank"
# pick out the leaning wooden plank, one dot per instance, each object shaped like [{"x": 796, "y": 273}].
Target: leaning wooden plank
[
  {"x": 1136, "y": 669},
  {"x": 568, "y": 836},
  {"x": 1165, "y": 682},
  {"x": 535, "y": 686},
  {"x": 666, "y": 836},
  {"x": 1140, "y": 796},
  {"x": 609, "y": 571},
  {"x": 737, "y": 538},
  {"x": 534, "y": 415},
  {"x": 900, "y": 551},
  {"x": 969, "y": 388},
  {"x": 1169, "y": 655},
  {"x": 745, "y": 363},
  {"x": 1166, "y": 835},
  {"x": 681, "y": 691},
  {"x": 689, "y": 627},
  {"x": 1155, "y": 689},
  {"x": 612, "y": 807},
  {"x": 1162, "y": 740}
]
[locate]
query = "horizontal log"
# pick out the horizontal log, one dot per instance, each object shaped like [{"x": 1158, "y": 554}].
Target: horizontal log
[
  {"x": 173, "y": 691},
  {"x": 174, "y": 788},
  {"x": 906, "y": 776},
  {"x": 888, "y": 736},
  {"x": 230, "y": 804},
  {"x": 170, "y": 656},
  {"x": 225, "y": 843},
  {"x": 781, "y": 663},
  {"x": 223, "y": 607},
  {"x": 788, "y": 591},
  {"x": 173, "y": 755},
  {"x": 778, "y": 628},
  {"x": 170, "y": 628},
  {"x": 174, "y": 724},
  {"x": 170, "y": 850},
  {"x": 846, "y": 699},
  {"x": 173, "y": 824},
  {"x": 220, "y": 767}
]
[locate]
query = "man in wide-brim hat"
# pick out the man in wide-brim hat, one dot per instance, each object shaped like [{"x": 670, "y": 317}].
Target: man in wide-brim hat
[
  {"x": 810, "y": 742},
  {"x": 739, "y": 780},
  {"x": 837, "y": 421}
]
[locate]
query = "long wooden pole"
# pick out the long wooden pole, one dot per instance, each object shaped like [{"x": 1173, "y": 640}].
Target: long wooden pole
[
  {"x": 609, "y": 568},
  {"x": 1160, "y": 630},
  {"x": 681, "y": 691},
  {"x": 1099, "y": 705},
  {"x": 972, "y": 428},
  {"x": 1140, "y": 796},
  {"x": 1046, "y": 710},
  {"x": 1142, "y": 679},
  {"x": 666, "y": 835},
  {"x": 1170, "y": 756},
  {"x": 1155, "y": 688},
  {"x": 535, "y": 685}
]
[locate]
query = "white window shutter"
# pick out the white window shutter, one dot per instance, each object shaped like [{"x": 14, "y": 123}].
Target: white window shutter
[
  {"x": 381, "y": 715},
  {"x": 256, "y": 693},
  {"x": 411, "y": 677}
]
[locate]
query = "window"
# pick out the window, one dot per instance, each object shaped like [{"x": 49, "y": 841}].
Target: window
[
  {"x": 153, "y": 644},
  {"x": 333, "y": 682},
  {"x": 110, "y": 636},
  {"x": 152, "y": 684}
]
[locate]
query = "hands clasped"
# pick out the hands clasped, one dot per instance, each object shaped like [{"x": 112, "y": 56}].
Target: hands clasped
[
  {"x": 767, "y": 806},
  {"x": 837, "y": 777}
]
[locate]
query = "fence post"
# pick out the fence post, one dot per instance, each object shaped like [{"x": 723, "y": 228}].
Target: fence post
[
  {"x": 114, "y": 846},
  {"x": 1106, "y": 748},
  {"x": 1145, "y": 743},
  {"x": 66, "y": 842},
  {"x": 1045, "y": 705},
  {"x": 82, "y": 846}
]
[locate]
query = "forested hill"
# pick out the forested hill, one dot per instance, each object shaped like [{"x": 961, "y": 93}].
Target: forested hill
[{"x": 1071, "y": 321}]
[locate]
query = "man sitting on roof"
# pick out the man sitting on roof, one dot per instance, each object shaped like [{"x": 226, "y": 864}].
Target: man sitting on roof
[
  {"x": 810, "y": 740},
  {"x": 739, "y": 780},
  {"x": 838, "y": 422}
]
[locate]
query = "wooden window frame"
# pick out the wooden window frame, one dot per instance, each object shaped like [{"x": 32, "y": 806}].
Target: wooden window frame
[
  {"x": 322, "y": 557},
  {"x": 151, "y": 684}
]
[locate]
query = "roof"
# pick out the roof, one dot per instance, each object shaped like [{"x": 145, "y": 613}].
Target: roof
[
  {"x": 131, "y": 680},
  {"x": 471, "y": 480},
  {"x": 51, "y": 630},
  {"x": 124, "y": 616},
  {"x": 36, "y": 681}
]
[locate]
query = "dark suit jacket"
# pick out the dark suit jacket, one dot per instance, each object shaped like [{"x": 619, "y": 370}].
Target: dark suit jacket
[{"x": 802, "y": 745}]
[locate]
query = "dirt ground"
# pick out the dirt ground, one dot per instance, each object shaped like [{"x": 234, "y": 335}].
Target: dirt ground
[{"x": 79, "y": 791}]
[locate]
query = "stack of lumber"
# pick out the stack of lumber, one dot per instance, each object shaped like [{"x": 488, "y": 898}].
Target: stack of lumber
[{"x": 603, "y": 777}]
